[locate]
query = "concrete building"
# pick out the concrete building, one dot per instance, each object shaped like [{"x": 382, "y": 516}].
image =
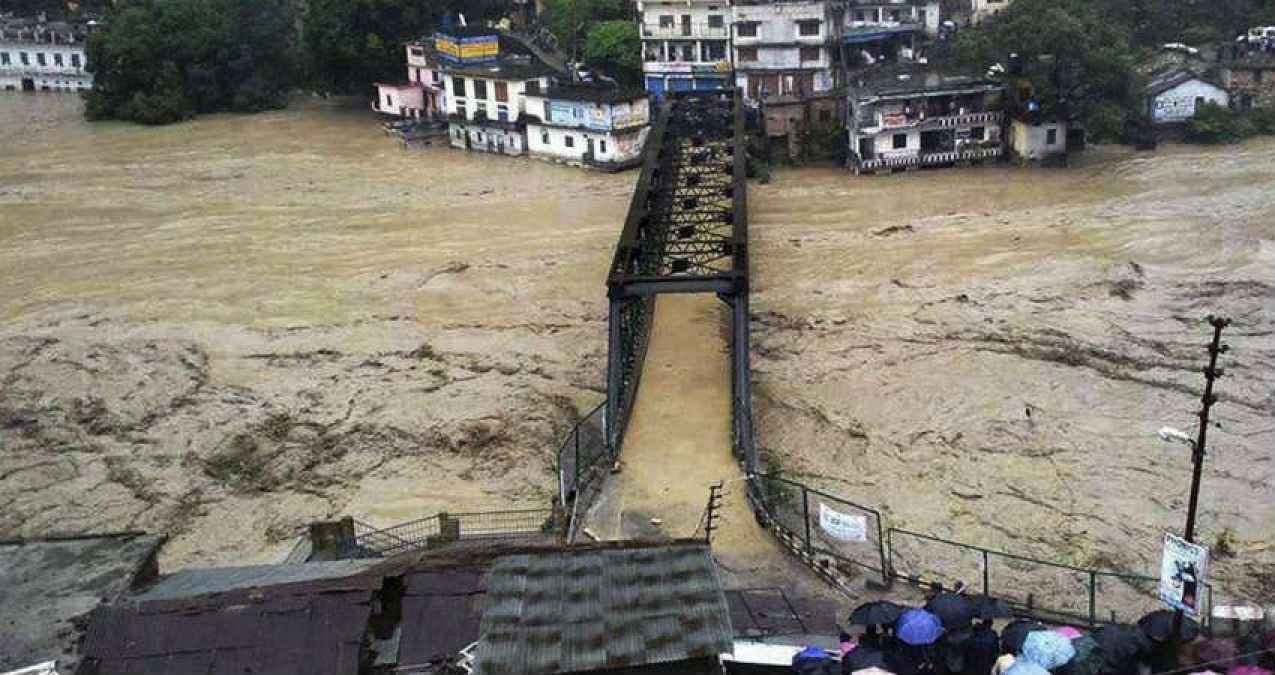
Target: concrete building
[
  {"x": 984, "y": 9},
  {"x": 884, "y": 30},
  {"x": 42, "y": 56},
  {"x": 1248, "y": 71},
  {"x": 783, "y": 49},
  {"x": 421, "y": 96},
  {"x": 485, "y": 90},
  {"x": 588, "y": 126},
  {"x": 911, "y": 117},
  {"x": 1173, "y": 97},
  {"x": 1037, "y": 141},
  {"x": 685, "y": 44}
]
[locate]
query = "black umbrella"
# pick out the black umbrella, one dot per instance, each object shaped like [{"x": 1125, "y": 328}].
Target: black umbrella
[
  {"x": 861, "y": 658},
  {"x": 1122, "y": 646},
  {"x": 1089, "y": 659},
  {"x": 1158, "y": 626},
  {"x": 955, "y": 610},
  {"x": 986, "y": 607},
  {"x": 879, "y": 613},
  {"x": 1016, "y": 632}
]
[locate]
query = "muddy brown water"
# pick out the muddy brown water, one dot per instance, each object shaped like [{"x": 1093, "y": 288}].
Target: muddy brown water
[{"x": 227, "y": 328}]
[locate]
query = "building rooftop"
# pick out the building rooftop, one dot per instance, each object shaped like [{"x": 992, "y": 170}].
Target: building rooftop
[
  {"x": 595, "y": 93},
  {"x": 50, "y": 584},
  {"x": 192, "y": 583},
  {"x": 1163, "y": 81},
  {"x": 910, "y": 80},
  {"x": 593, "y": 609}
]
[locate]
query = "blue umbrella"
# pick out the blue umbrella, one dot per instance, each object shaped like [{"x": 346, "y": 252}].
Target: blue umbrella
[
  {"x": 1025, "y": 667},
  {"x": 1048, "y": 649},
  {"x": 812, "y": 661},
  {"x": 918, "y": 627}
]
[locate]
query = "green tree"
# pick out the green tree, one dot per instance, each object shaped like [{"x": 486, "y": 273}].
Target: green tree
[
  {"x": 1062, "y": 54},
  {"x": 571, "y": 20},
  {"x": 159, "y": 61},
  {"x": 1213, "y": 123},
  {"x": 615, "y": 47},
  {"x": 347, "y": 45}
]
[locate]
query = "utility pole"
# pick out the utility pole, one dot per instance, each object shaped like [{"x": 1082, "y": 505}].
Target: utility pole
[{"x": 1211, "y": 373}]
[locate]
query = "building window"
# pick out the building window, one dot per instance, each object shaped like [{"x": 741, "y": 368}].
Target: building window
[
  {"x": 666, "y": 21},
  {"x": 748, "y": 29},
  {"x": 922, "y": 16},
  {"x": 26, "y": 60},
  {"x": 418, "y": 51},
  {"x": 480, "y": 109},
  {"x": 1051, "y": 137},
  {"x": 602, "y": 147},
  {"x": 502, "y": 92},
  {"x": 544, "y": 136},
  {"x": 389, "y": 101},
  {"x": 39, "y": 58},
  {"x": 808, "y": 27},
  {"x": 810, "y": 53},
  {"x": 858, "y": 15},
  {"x": 569, "y": 140},
  {"x": 460, "y": 110},
  {"x": 716, "y": 21},
  {"x": 714, "y": 51},
  {"x": 436, "y": 76},
  {"x": 978, "y": 133},
  {"x": 1257, "y": 75},
  {"x": 747, "y": 53},
  {"x": 900, "y": 141},
  {"x": 57, "y": 59},
  {"x": 825, "y": 115},
  {"x": 480, "y": 88},
  {"x": 4, "y": 58},
  {"x": 458, "y": 86}
]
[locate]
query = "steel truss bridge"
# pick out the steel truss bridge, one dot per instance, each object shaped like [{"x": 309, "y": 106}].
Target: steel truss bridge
[{"x": 686, "y": 232}]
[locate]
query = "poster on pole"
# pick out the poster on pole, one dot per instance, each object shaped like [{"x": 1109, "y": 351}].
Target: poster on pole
[
  {"x": 1182, "y": 572},
  {"x": 843, "y": 526}
]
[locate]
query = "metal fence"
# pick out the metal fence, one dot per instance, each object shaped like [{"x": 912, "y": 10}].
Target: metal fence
[
  {"x": 579, "y": 458},
  {"x": 851, "y": 534},
  {"x": 858, "y": 540},
  {"x": 1041, "y": 588},
  {"x": 445, "y": 528}
]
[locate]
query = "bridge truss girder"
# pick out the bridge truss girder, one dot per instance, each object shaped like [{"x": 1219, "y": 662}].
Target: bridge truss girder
[{"x": 686, "y": 232}]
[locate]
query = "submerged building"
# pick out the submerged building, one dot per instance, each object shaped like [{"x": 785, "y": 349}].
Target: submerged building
[
  {"x": 588, "y": 126},
  {"x": 912, "y": 117},
  {"x": 36, "y": 55}
]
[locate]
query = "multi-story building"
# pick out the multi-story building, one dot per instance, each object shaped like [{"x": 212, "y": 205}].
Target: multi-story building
[
  {"x": 42, "y": 56},
  {"x": 422, "y": 95},
  {"x": 886, "y": 30},
  {"x": 783, "y": 47},
  {"x": 685, "y": 44},
  {"x": 590, "y": 126},
  {"x": 911, "y": 117}
]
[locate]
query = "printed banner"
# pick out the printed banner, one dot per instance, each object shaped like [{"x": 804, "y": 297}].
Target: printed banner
[
  {"x": 843, "y": 526},
  {"x": 1182, "y": 572}
]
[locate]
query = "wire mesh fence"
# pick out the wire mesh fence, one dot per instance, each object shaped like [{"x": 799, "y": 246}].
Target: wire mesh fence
[
  {"x": 445, "y": 528},
  {"x": 580, "y": 451}
]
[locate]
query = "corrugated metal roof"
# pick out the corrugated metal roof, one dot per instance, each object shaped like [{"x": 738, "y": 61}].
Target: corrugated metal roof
[
  {"x": 195, "y": 582},
  {"x": 572, "y": 611}
]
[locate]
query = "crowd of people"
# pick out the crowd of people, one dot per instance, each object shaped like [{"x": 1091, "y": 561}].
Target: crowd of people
[{"x": 956, "y": 634}]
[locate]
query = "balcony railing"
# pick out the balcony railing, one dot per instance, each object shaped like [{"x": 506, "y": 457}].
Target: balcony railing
[
  {"x": 19, "y": 70},
  {"x": 928, "y": 121},
  {"x": 693, "y": 30},
  {"x": 903, "y": 160}
]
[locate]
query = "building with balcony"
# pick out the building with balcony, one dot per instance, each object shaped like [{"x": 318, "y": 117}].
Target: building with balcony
[
  {"x": 912, "y": 117},
  {"x": 590, "y": 126},
  {"x": 421, "y": 96},
  {"x": 874, "y": 31},
  {"x": 783, "y": 48},
  {"x": 42, "y": 56},
  {"x": 685, "y": 44}
]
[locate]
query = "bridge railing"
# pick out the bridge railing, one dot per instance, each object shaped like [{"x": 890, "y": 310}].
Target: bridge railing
[{"x": 581, "y": 459}]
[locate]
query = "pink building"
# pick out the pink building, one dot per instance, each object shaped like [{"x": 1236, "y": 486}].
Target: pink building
[{"x": 422, "y": 95}]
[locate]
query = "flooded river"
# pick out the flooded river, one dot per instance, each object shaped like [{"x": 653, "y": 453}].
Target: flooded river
[{"x": 230, "y": 327}]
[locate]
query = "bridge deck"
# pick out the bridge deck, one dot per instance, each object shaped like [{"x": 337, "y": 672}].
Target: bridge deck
[{"x": 678, "y": 443}]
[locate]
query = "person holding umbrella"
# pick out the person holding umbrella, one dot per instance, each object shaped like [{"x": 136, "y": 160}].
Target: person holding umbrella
[
  {"x": 916, "y": 632},
  {"x": 981, "y": 649}
]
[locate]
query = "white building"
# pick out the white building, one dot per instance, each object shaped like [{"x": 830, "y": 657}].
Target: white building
[
  {"x": 685, "y": 44},
  {"x": 906, "y": 118},
  {"x": 983, "y": 9},
  {"x": 783, "y": 48},
  {"x": 1037, "y": 140},
  {"x": 588, "y": 126},
  {"x": 37, "y": 56},
  {"x": 1175, "y": 96},
  {"x": 889, "y": 30}
]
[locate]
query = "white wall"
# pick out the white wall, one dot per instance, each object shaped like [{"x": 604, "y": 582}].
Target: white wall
[
  {"x": 514, "y": 106},
  {"x": 1030, "y": 141},
  {"x": 1178, "y": 104},
  {"x": 51, "y": 75},
  {"x": 487, "y": 140},
  {"x": 404, "y": 101},
  {"x": 550, "y": 142}
]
